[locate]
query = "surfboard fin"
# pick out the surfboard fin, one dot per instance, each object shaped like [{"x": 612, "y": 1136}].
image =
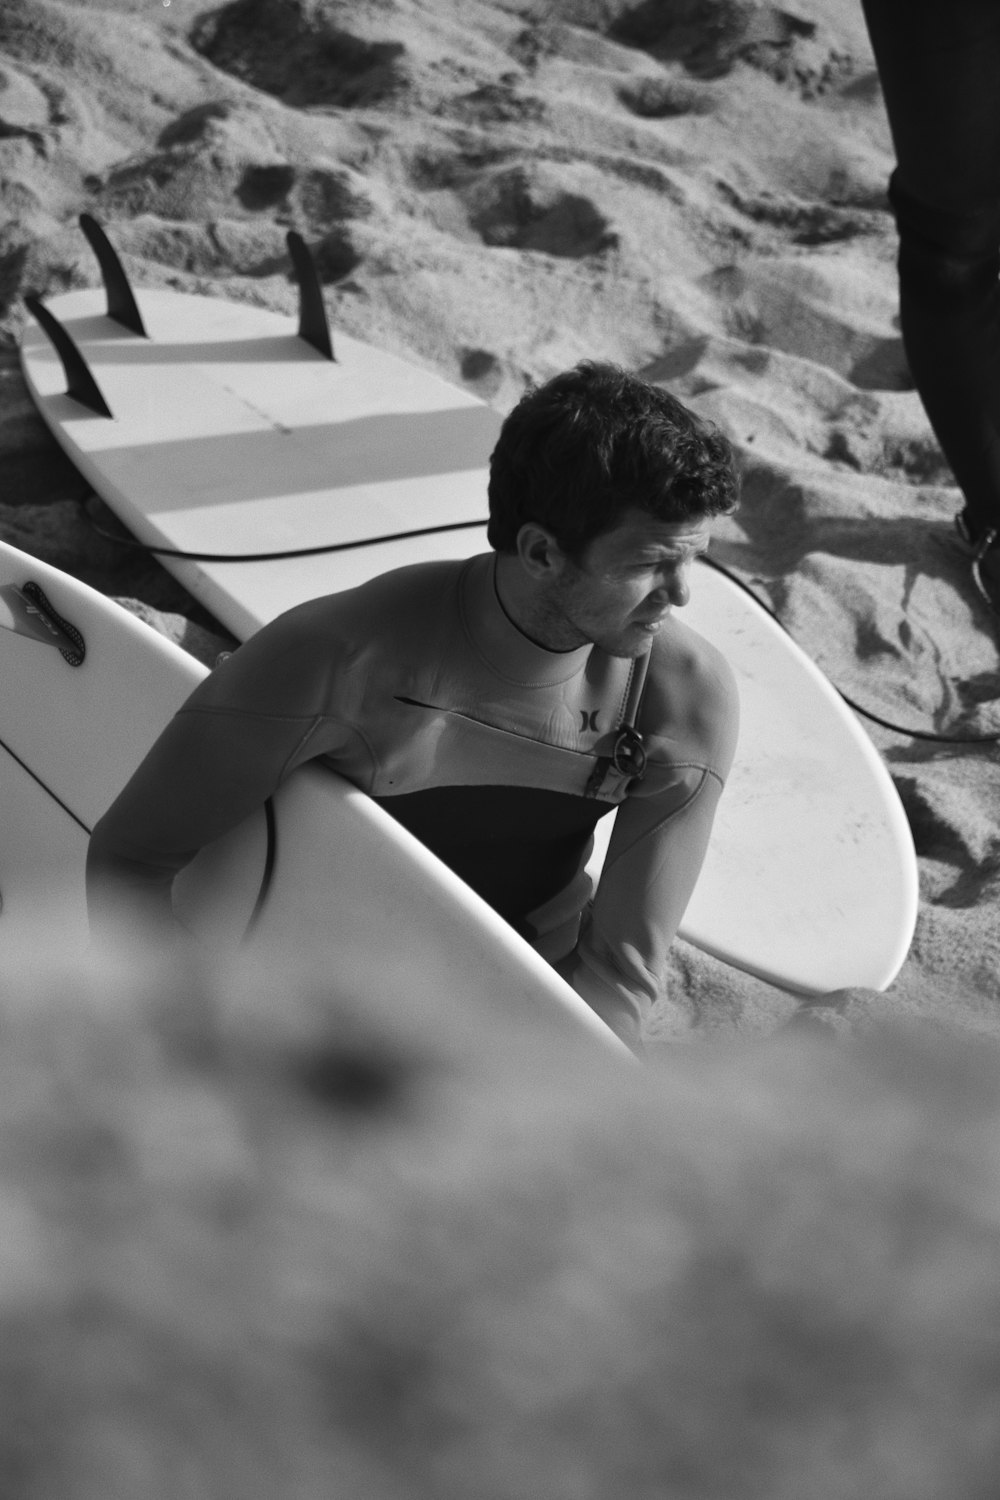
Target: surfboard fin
[
  {"x": 80, "y": 382},
  {"x": 33, "y": 615},
  {"x": 122, "y": 306},
  {"x": 314, "y": 326}
]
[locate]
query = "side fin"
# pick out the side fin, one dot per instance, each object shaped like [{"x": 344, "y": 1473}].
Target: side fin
[
  {"x": 313, "y": 324},
  {"x": 122, "y": 305},
  {"x": 80, "y": 382},
  {"x": 33, "y": 615}
]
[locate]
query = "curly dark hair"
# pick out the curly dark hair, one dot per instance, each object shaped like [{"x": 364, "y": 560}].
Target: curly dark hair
[{"x": 595, "y": 441}]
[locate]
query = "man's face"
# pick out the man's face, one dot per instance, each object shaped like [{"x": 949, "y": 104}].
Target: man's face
[{"x": 627, "y": 581}]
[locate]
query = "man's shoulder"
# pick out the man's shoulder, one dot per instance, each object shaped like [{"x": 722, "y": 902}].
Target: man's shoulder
[
  {"x": 691, "y": 696},
  {"x": 681, "y": 655},
  {"x": 295, "y": 663},
  {"x": 382, "y": 604}
]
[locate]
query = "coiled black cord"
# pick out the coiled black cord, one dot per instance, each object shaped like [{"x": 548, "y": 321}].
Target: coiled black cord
[
  {"x": 249, "y": 557},
  {"x": 859, "y": 708}
]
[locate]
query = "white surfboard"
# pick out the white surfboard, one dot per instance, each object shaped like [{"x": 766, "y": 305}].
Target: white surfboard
[
  {"x": 231, "y": 434},
  {"x": 86, "y": 690}
]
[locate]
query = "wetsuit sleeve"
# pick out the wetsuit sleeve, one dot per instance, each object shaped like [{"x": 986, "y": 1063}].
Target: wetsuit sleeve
[
  {"x": 203, "y": 776},
  {"x": 227, "y": 750},
  {"x": 653, "y": 862}
]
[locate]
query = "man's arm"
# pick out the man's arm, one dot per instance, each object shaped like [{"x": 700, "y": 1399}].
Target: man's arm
[
  {"x": 653, "y": 862},
  {"x": 649, "y": 874},
  {"x": 204, "y": 775},
  {"x": 218, "y": 760}
]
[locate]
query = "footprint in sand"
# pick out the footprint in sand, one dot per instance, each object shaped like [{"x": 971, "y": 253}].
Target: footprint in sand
[
  {"x": 824, "y": 310},
  {"x": 298, "y": 54},
  {"x": 710, "y": 38},
  {"x": 534, "y": 207}
]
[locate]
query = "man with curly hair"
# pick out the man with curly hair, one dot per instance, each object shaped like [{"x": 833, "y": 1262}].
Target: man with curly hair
[{"x": 498, "y": 706}]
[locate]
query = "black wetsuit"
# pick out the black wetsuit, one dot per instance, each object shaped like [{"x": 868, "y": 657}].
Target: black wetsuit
[
  {"x": 939, "y": 64},
  {"x": 418, "y": 688}
]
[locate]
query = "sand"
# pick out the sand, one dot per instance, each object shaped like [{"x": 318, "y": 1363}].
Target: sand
[{"x": 497, "y": 190}]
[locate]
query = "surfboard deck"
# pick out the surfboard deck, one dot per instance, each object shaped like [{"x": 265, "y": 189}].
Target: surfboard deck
[
  {"x": 349, "y": 883},
  {"x": 231, "y": 434}
]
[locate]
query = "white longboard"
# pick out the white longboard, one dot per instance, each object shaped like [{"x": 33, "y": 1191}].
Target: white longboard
[
  {"x": 337, "y": 876},
  {"x": 229, "y": 433}
]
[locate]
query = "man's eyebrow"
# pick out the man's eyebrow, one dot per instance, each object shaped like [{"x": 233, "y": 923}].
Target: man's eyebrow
[{"x": 696, "y": 544}]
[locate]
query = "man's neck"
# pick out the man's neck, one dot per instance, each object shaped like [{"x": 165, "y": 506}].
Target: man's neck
[{"x": 529, "y": 611}]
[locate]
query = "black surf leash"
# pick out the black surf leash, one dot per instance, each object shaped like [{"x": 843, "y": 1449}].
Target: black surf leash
[
  {"x": 250, "y": 557},
  {"x": 866, "y": 713}
]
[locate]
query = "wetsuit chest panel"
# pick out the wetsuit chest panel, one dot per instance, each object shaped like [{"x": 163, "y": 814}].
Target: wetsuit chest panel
[
  {"x": 418, "y": 744},
  {"x": 517, "y": 846}
]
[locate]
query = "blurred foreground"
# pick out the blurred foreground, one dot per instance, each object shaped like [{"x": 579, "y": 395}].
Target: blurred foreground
[{"x": 261, "y": 1238}]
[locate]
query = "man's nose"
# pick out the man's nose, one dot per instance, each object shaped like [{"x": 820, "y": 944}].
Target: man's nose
[{"x": 676, "y": 588}]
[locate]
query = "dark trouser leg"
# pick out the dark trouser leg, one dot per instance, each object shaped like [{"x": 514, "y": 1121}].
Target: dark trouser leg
[{"x": 939, "y": 63}]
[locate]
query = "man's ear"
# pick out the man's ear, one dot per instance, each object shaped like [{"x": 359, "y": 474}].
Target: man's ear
[{"x": 540, "y": 554}]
